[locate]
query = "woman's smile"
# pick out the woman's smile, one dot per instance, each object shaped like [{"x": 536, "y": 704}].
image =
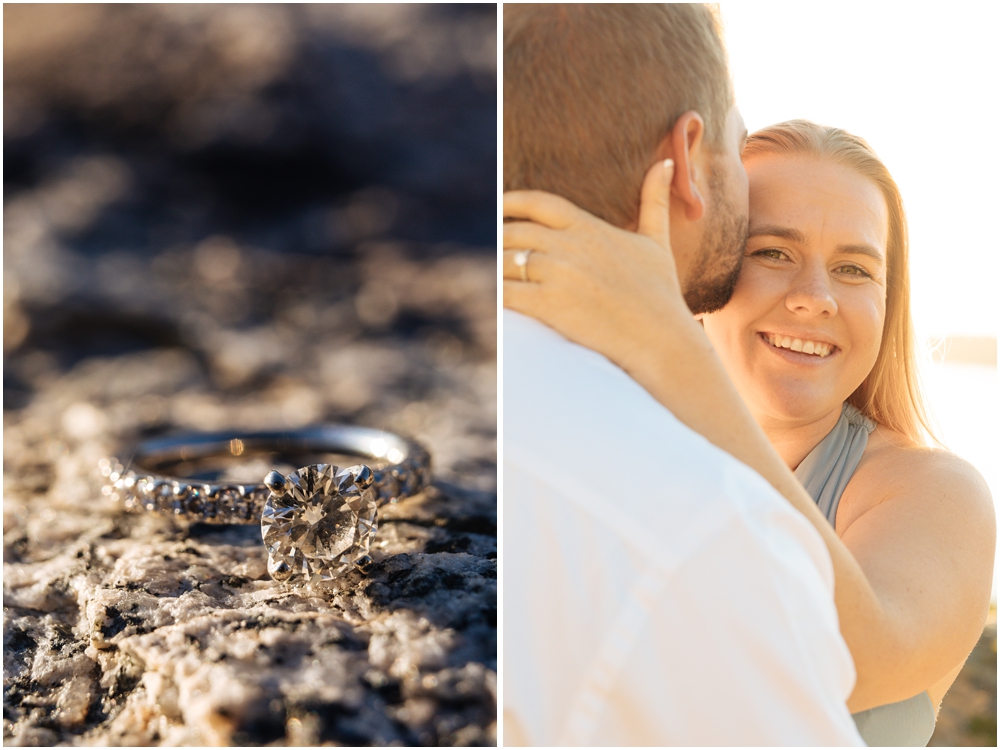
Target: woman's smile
[{"x": 809, "y": 349}]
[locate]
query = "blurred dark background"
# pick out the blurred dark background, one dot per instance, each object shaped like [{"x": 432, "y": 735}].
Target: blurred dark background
[
  {"x": 247, "y": 216},
  {"x": 250, "y": 184},
  {"x": 202, "y": 135}
]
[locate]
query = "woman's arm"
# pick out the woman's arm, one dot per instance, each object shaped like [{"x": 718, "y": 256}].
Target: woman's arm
[
  {"x": 616, "y": 292},
  {"x": 920, "y": 524}
]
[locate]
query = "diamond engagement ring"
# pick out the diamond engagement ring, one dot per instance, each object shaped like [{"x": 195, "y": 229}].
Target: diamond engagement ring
[
  {"x": 521, "y": 261},
  {"x": 317, "y": 522}
]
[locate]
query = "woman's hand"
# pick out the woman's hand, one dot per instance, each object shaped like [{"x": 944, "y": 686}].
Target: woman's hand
[
  {"x": 608, "y": 289},
  {"x": 617, "y": 292}
]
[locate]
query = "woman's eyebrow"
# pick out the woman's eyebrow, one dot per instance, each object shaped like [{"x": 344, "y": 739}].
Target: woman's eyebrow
[
  {"x": 772, "y": 230},
  {"x": 862, "y": 249}
]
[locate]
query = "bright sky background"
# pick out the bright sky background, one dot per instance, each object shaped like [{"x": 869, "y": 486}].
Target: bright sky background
[{"x": 921, "y": 85}]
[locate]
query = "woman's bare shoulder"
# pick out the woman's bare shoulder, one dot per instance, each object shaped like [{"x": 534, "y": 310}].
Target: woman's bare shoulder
[
  {"x": 895, "y": 467},
  {"x": 894, "y": 455}
]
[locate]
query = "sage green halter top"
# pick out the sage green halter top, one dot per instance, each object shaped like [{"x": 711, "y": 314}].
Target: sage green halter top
[{"x": 825, "y": 473}]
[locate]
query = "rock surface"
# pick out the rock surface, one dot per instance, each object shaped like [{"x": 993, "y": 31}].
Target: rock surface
[{"x": 247, "y": 217}]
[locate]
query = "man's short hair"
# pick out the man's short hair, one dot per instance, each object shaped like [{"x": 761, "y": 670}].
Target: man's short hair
[{"x": 590, "y": 91}]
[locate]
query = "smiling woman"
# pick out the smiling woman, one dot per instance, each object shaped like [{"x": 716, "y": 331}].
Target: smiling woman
[
  {"x": 841, "y": 189},
  {"x": 817, "y": 340},
  {"x": 805, "y": 321}
]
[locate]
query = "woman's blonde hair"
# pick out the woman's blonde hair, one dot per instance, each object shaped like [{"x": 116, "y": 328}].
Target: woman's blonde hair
[{"x": 890, "y": 395}]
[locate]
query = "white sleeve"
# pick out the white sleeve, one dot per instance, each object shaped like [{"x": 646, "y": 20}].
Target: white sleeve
[{"x": 738, "y": 646}]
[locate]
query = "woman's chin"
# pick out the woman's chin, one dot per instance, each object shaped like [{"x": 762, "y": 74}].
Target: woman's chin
[{"x": 797, "y": 405}]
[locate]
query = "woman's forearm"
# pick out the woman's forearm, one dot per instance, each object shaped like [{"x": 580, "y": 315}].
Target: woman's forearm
[{"x": 681, "y": 370}]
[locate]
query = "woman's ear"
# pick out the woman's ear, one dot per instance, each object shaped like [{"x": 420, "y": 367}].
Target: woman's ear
[{"x": 685, "y": 144}]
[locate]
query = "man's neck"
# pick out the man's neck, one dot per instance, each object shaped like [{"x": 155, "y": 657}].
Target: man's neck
[{"x": 794, "y": 439}]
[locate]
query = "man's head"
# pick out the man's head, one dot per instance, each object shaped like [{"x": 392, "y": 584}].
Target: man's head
[{"x": 595, "y": 94}]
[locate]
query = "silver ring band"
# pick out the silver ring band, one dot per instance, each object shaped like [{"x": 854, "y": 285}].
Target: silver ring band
[{"x": 143, "y": 487}]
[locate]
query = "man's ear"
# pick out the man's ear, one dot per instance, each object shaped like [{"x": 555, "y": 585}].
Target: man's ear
[{"x": 685, "y": 144}]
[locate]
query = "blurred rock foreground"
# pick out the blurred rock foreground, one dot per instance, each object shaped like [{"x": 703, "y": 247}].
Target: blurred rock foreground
[
  {"x": 968, "y": 716},
  {"x": 246, "y": 217}
]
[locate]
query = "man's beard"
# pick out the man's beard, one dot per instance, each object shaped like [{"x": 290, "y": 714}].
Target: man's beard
[{"x": 721, "y": 254}]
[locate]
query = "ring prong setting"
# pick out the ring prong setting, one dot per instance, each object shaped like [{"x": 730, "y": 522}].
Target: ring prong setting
[
  {"x": 279, "y": 570},
  {"x": 276, "y": 483},
  {"x": 364, "y": 477}
]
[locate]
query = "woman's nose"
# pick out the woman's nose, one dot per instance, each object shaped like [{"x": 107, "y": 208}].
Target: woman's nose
[{"x": 811, "y": 294}]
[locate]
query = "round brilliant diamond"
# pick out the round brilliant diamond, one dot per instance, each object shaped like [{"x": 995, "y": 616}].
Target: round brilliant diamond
[{"x": 320, "y": 525}]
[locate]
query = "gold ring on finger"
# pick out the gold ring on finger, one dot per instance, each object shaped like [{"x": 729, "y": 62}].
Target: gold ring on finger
[{"x": 521, "y": 261}]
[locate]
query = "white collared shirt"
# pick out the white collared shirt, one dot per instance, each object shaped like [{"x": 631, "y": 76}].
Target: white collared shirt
[{"x": 656, "y": 591}]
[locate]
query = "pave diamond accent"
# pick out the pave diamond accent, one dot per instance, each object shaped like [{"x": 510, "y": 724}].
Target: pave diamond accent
[{"x": 320, "y": 525}]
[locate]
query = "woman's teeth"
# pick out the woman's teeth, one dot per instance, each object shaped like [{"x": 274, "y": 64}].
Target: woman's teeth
[{"x": 798, "y": 345}]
